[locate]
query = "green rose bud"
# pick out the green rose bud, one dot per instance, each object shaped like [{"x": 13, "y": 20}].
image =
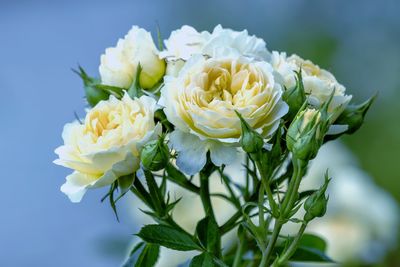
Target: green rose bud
[
  {"x": 155, "y": 155},
  {"x": 251, "y": 141},
  {"x": 354, "y": 115},
  {"x": 315, "y": 205},
  {"x": 295, "y": 96},
  {"x": 305, "y": 134}
]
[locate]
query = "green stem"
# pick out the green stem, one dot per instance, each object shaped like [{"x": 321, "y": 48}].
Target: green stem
[
  {"x": 239, "y": 252},
  {"x": 271, "y": 244},
  {"x": 287, "y": 205},
  {"x": 205, "y": 195},
  {"x": 267, "y": 188},
  {"x": 231, "y": 222},
  {"x": 207, "y": 205},
  {"x": 291, "y": 194},
  {"x": 291, "y": 249}
]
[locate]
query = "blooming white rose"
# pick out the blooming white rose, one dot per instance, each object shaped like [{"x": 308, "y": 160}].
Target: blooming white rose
[
  {"x": 318, "y": 83},
  {"x": 119, "y": 64},
  {"x": 107, "y": 145},
  {"x": 201, "y": 102},
  {"x": 185, "y": 42}
]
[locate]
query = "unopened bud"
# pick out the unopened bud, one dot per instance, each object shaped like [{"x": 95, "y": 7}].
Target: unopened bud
[
  {"x": 315, "y": 205},
  {"x": 251, "y": 141},
  {"x": 155, "y": 155},
  {"x": 353, "y": 116},
  {"x": 305, "y": 134}
]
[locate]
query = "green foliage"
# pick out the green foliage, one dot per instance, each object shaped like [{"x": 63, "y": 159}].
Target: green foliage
[
  {"x": 207, "y": 232},
  {"x": 93, "y": 93},
  {"x": 169, "y": 237},
  {"x": 143, "y": 255}
]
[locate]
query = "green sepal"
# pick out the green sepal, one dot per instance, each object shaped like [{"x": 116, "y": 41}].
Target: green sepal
[
  {"x": 135, "y": 90},
  {"x": 93, "y": 94}
]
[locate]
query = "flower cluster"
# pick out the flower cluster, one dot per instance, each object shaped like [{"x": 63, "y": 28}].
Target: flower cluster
[{"x": 192, "y": 108}]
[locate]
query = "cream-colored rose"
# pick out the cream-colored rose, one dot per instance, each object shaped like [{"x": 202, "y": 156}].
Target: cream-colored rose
[
  {"x": 201, "y": 102},
  {"x": 186, "y": 42},
  {"x": 107, "y": 145},
  {"x": 319, "y": 84},
  {"x": 119, "y": 64}
]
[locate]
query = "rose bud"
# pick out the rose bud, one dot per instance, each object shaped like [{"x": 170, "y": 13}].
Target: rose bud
[
  {"x": 315, "y": 205},
  {"x": 305, "y": 135},
  {"x": 354, "y": 115},
  {"x": 155, "y": 155},
  {"x": 251, "y": 141}
]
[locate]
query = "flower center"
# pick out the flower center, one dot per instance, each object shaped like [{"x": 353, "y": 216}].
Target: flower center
[
  {"x": 229, "y": 82},
  {"x": 99, "y": 122}
]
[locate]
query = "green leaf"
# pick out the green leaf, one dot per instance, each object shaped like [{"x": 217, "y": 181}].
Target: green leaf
[
  {"x": 312, "y": 241},
  {"x": 149, "y": 256},
  {"x": 169, "y": 237},
  {"x": 133, "y": 255},
  {"x": 202, "y": 260},
  {"x": 310, "y": 255},
  {"x": 207, "y": 231}
]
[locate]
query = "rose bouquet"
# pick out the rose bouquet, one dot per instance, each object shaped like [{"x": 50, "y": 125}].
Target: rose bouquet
[{"x": 182, "y": 113}]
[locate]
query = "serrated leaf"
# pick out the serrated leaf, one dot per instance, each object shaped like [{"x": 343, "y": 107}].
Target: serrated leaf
[
  {"x": 168, "y": 236},
  {"x": 202, "y": 260},
  {"x": 130, "y": 261},
  {"x": 207, "y": 231}
]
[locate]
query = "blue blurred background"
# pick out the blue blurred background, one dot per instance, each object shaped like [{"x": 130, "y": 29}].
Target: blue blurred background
[{"x": 41, "y": 40}]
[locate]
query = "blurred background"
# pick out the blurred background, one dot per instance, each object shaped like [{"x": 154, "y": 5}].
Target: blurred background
[{"x": 40, "y": 41}]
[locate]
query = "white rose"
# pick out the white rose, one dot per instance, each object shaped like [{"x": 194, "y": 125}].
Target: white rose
[
  {"x": 107, "y": 145},
  {"x": 235, "y": 43},
  {"x": 318, "y": 83},
  {"x": 119, "y": 64},
  {"x": 185, "y": 42},
  {"x": 201, "y": 103}
]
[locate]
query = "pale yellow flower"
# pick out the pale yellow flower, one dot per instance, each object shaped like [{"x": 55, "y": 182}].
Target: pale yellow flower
[
  {"x": 201, "y": 102},
  {"x": 107, "y": 145},
  {"x": 119, "y": 64}
]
